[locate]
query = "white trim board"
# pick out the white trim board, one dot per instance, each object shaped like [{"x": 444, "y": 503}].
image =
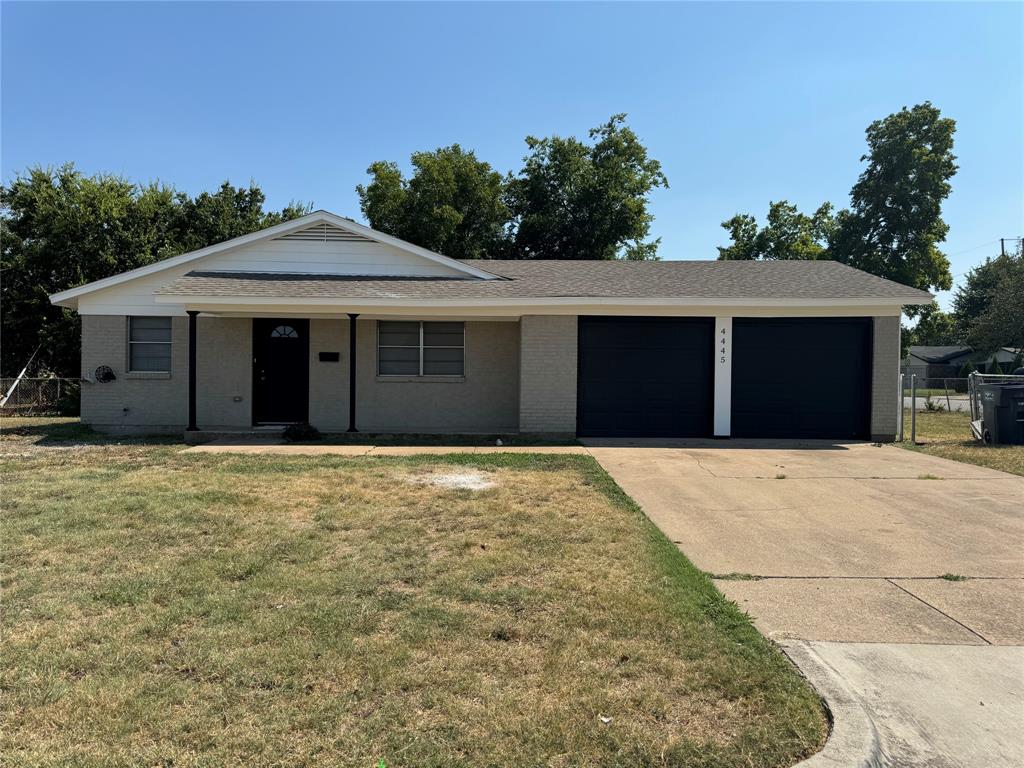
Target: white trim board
[
  {"x": 723, "y": 376},
  {"x": 554, "y": 306}
]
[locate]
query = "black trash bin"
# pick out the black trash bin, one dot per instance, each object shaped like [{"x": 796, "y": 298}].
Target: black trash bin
[{"x": 1002, "y": 413}]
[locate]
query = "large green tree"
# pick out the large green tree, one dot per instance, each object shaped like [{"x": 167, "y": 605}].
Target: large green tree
[
  {"x": 894, "y": 224},
  {"x": 453, "y": 203},
  {"x": 788, "y": 234},
  {"x": 572, "y": 199},
  {"x": 934, "y": 328},
  {"x": 989, "y": 307},
  {"x": 61, "y": 228},
  {"x": 578, "y": 200}
]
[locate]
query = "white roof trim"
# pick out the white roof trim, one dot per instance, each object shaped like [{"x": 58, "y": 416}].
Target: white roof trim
[
  {"x": 556, "y": 301},
  {"x": 268, "y": 234}
]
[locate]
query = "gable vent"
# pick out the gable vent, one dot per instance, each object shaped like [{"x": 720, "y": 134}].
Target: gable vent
[{"x": 324, "y": 233}]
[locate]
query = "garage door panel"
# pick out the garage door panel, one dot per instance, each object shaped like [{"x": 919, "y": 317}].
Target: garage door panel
[
  {"x": 801, "y": 378},
  {"x": 645, "y": 377}
]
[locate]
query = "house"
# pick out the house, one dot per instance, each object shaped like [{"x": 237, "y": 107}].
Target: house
[
  {"x": 323, "y": 319},
  {"x": 938, "y": 363}
]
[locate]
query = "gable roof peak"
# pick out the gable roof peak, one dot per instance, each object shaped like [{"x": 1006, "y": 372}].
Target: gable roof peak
[{"x": 69, "y": 298}]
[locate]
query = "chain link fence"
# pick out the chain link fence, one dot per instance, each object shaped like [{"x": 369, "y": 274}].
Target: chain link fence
[
  {"x": 37, "y": 396},
  {"x": 935, "y": 393}
]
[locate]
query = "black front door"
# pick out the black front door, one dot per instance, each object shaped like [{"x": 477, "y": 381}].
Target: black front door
[
  {"x": 645, "y": 377},
  {"x": 280, "y": 371}
]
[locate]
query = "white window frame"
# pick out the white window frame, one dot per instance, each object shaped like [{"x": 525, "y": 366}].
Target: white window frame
[
  {"x": 421, "y": 348},
  {"x": 170, "y": 356}
]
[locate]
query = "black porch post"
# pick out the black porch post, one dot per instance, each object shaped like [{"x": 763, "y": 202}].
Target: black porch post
[
  {"x": 192, "y": 370},
  {"x": 352, "y": 372}
]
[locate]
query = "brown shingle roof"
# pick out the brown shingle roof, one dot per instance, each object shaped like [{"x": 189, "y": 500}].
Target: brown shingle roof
[{"x": 572, "y": 279}]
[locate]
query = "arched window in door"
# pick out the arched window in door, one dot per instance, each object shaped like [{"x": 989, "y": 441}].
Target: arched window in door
[{"x": 284, "y": 332}]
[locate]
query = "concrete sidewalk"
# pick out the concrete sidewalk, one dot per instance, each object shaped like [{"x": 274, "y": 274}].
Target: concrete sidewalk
[
  {"x": 274, "y": 447},
  {"x": 916, "y": 704},
  {"x": 838, "y": 552}
]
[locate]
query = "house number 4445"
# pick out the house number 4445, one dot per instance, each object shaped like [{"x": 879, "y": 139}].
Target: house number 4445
[{"x": 724, "y": 345}]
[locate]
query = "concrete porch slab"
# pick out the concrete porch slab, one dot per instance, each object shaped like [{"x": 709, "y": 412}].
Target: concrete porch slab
[{"x": 277, "y": 447}]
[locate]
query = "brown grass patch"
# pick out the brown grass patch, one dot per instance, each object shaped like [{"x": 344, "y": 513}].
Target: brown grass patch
[
  {"x": 948, "y": 435},
  {"x": 167, "y": 608}
]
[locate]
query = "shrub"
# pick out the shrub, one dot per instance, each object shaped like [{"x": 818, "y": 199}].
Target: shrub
[
  {"x": 301, "y": 433},
  {"x": 70, "y": 402},
  {"x": 965, "y": 370}
]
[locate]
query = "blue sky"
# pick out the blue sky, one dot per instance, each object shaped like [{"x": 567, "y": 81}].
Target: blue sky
[{"x": 742, "y": 103}]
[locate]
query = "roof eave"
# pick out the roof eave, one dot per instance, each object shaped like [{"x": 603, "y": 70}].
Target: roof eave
[{"x": 781, "y": 303}]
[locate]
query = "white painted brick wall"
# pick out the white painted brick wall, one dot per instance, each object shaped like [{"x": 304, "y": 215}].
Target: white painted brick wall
[
  {"x": 885, "y": 378},
  {"x": 139, "y": 402},
  {"x": 154, "y": 402},
  {"x": 547, "y": 374}
]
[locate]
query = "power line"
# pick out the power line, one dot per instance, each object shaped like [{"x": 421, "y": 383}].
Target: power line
[
  {"x": 1002, "y": 247},
  {"x": 968, "y": 250}
]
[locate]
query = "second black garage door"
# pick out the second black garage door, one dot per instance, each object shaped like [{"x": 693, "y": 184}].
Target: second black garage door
[
  {"x": 645, "y": 377},
  {"x": 801, "y": 378}
]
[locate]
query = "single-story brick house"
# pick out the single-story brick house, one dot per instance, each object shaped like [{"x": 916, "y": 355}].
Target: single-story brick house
[{"x": 324, "y": 320}]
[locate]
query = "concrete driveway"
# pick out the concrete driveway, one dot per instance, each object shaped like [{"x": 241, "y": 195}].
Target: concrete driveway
[{"x": 843, "y": 549}]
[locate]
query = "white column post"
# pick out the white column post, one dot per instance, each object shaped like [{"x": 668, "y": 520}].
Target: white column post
[{"x": 723, "y": 376}]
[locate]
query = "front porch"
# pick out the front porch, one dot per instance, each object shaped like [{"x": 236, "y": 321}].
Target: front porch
[{"x": 341, "y": 375}]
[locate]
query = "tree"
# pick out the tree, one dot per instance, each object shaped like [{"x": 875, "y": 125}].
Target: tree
[
  {"x": 571, "y": 200},
  {"x": 788, "y": 234},
  {"x": 229, "y": 212},
  {"x": 894, "y": 224},
  {"x": 60, "y": 228},
  {"x": 990, "y": 306},
  {"x": 934, "y": 328},
  {"x": 978, "y": 291},
  {"x": 453, "y": 204},
  {"x": 574, "y": 200}
]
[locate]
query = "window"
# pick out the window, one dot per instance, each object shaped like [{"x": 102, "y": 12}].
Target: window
[
  {"x": 284, "y": 332},
  {"x": 421, "y": 348},
  {"x": 149, "y": 344}
]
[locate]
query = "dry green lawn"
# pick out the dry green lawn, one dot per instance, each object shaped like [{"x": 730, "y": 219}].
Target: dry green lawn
[
  {"x": 165, "y": 609},
  {"x": 948, "y": 434}
]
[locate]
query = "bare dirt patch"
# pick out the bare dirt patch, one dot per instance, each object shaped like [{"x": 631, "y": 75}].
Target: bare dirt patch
[{"x": 469, "y": 481}]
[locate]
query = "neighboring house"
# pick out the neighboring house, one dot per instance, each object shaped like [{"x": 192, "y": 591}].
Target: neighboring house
[
  {"x": 936, "y": 362},
  {"x": 947, "y": 362},
  {"x": 323, "y": 319}
]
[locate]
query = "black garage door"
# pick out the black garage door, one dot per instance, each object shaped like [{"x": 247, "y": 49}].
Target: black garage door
[
  {"x": 801, "y": 378},
  {"x": 645, "y": 377}
]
